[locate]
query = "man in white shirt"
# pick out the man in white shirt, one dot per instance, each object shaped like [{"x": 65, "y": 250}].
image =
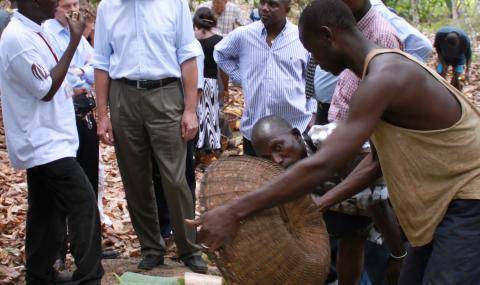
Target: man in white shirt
[
  {"x": 145, "y": 69},
  {"x": 42, "y": 138}
]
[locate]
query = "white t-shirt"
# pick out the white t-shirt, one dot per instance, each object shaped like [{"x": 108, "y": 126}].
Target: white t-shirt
[{"x": 37, "y": 132}]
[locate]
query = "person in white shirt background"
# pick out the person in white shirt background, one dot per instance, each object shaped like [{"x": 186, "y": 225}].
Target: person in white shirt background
[{"x": 42, "y": 138}]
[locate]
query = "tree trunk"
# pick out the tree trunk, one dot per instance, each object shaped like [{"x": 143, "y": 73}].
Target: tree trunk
[
  {"x": 455, "y": 10},
  {"x": 462, "y": 10},
  {"x": 414, "y": 12}
]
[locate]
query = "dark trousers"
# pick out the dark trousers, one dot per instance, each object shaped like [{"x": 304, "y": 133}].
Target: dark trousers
[
  {"x": 87, "y": 153},
  {"x": 248, "y": 147},
  {"x": 56, "y": 191},
  {"x": 453, "y": 257},
  {"x": 162, "y": 207},
  {"x": 322, "y": 113},
  {"x": 87, "y": 157}
]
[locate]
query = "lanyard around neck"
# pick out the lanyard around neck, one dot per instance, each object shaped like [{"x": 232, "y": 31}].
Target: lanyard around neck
[{"x": 49, "y": 47}]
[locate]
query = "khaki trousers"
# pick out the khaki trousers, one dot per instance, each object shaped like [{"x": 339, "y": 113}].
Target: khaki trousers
[{"x": 144, "y": 121}]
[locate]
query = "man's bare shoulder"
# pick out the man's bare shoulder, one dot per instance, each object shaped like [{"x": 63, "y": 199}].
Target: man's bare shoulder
[{"x": 392, "y": 72}]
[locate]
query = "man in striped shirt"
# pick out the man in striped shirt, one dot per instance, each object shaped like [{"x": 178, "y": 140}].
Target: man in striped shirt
[{"x": 269, "y": 61}]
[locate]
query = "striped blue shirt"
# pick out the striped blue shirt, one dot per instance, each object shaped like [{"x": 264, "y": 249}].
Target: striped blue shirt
[{"x": 272, "y": 78}]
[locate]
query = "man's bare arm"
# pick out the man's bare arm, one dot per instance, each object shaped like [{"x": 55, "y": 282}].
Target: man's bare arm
[
  {"x": 60, "y": 70},
  {"x": 189, "y": 118},
  {"x": 104, "y": 126},
  {"x": 367, "y": 106},
  {"x": 366, "y": 172}
]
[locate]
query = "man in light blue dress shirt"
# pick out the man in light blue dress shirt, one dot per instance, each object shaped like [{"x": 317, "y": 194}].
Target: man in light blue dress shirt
[
  {"x": 269, "y": 61},
  {"x": 145, "y": 69}
]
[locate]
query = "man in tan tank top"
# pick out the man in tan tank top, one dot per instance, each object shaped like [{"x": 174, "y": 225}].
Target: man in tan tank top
[{"x": 427, "y": 139}]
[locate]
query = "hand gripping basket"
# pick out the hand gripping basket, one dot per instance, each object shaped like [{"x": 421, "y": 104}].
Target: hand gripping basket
[{"x": 283, "y": 245}]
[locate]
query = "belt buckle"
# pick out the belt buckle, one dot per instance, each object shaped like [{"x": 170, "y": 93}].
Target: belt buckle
[{"x": 138, "y": 84}]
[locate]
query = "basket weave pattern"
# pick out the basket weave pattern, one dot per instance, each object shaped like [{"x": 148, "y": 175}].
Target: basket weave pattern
[{"x": 282, "y": 245}]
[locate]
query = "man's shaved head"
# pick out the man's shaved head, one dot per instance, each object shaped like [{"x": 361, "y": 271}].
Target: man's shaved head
[
  {"x": 275, "y": 139},
  {"x": 328, "y": 13},
  {"x": 268, "y": 127},
  {"x": 322, "y": 25}
]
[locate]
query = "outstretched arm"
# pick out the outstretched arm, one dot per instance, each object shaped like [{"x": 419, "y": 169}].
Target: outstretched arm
[{"x": 220, "y": 224}]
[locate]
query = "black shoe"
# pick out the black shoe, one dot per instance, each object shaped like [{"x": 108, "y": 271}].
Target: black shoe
[
  {"x": 150, "y": 261},
  {"x": 196, "y": 264},
  {"x": 109, "y": 254},
  {"x": 62, "y": 278}
]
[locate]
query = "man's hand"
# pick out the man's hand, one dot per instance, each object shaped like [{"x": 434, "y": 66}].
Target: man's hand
[
  {"x": 76, "y": 24},
  {"x": 217, "y": 228},
  {"x": 104, "y": 130},
  {"x": 189, "y": 125},
  {"x": 392, "y": 272}
]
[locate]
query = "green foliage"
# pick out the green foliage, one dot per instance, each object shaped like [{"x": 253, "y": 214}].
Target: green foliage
[
  {"x": 428, "y": 10},
  {"x": 434, "y": 14}
]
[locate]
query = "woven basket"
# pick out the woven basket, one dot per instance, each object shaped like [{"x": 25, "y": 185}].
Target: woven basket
[{"x": 282, "y": 245}]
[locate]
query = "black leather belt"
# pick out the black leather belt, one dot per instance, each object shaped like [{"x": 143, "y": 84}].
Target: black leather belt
[{"x": 149, "y": 84}]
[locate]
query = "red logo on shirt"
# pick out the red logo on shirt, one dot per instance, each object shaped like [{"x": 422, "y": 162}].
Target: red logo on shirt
[{"x": 39, "y": 72}]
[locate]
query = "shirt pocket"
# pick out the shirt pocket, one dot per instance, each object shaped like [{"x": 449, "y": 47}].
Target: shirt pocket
[
  {"x": 162, "y": 27},
  {"x": 291, "y": 65}
]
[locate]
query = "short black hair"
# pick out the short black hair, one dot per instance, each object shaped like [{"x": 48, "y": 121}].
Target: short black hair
[
  {"x": 329, "y": 13},
  {"x": 204, "y": 19},
  {"x": 452, "y": 39}
]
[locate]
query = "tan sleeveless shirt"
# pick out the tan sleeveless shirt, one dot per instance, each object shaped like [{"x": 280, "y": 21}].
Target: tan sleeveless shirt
[{"x": 426, "y": 170}]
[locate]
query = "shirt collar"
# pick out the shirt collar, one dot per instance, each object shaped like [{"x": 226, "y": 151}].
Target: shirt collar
[
  {"x": 287, "y": 27},
  {"x": 27, "y": 22},
  {"x": 366, "y": 19},
  {"x": 57, "y": 27}
]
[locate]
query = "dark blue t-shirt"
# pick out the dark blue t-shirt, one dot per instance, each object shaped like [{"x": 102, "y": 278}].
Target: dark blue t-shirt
[{"x": 453, "y": 55}]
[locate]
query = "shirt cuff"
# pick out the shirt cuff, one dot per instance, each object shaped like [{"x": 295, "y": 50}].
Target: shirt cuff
[
  {"x": 187, "y": 52},
  {"x": 45, "y": 87},
  {"x": 101, "y": 62},
  {"x": 89, "y": 74}
]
